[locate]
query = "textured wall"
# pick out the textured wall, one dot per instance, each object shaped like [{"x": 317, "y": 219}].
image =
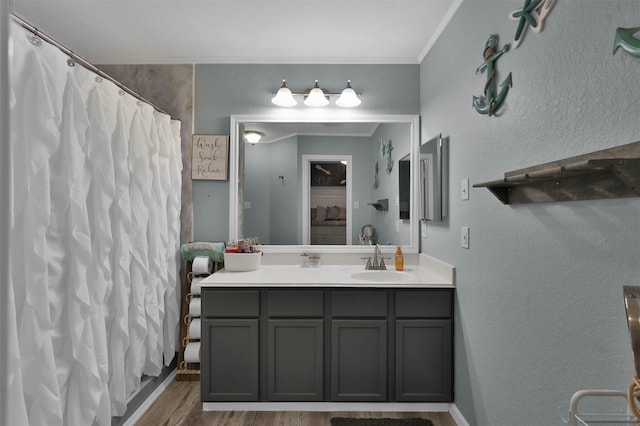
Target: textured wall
[
  {"x": 171, "y": 88},
  {"x": 539, "y": 310}
]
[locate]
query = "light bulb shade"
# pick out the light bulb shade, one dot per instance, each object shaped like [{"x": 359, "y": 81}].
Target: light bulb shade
[
  {"x": 252, "y": 136},
  {"x": 348, "y": 98},
  {"x": 284, "y": 97},
  {"x": 316, "y": 97}
]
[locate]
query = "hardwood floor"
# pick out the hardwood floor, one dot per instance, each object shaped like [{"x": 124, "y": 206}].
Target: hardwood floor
[{"x": 180, "y": 404}]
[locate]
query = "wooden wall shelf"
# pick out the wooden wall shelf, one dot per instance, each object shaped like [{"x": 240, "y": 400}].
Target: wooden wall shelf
[
  {"x": 609, "y": 173},
  {"x": 381, "y": 204}
]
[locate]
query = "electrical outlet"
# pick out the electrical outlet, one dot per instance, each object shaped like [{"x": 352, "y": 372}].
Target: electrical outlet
[
  {"x": 464, "y": 189},
  {"x": 464, "y": 237}
]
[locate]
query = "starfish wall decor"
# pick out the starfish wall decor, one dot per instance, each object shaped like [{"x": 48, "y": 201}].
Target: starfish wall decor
[{"x": 532, "y": 14}]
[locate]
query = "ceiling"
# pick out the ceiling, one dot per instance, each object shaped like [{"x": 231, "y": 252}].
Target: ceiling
[{"x": 242, "y": 31}]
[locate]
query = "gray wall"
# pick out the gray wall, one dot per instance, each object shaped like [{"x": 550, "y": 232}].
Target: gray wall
[
  {"x": 274, "y": 202},
  {"x": 539, "y": 310},
  {"x": 388, "y": 185},
  {"x": 222, "y": 90}
]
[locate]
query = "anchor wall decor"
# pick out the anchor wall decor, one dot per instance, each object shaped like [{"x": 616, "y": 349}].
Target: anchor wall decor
[
  {"x": 532, "y": 14},
  {"x": 491, "y": 101},
  {"x": 626, "y": 40}
]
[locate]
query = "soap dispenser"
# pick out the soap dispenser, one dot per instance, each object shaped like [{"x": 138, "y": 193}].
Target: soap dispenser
[{"x": 399, "y": 259}]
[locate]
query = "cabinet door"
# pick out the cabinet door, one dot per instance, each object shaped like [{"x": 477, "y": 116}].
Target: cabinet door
[
  {"x": 229, "y": 364},
  {"x": 423, "y": 360},
  {"x": 359, "y": 360},
  {"x": 295, "y": 360}
]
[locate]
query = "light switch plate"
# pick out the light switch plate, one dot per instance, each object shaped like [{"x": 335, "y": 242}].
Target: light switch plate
[
  {"x": 464, "y": 189},
  {"x": 464, "y": 237},
  {"x": 247, "y": 205},
  {"x": 356, "y": 204}
]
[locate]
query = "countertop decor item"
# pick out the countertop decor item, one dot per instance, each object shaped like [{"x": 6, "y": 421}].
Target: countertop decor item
[
  {"x": 242, "y": 262},
  {"x": 491, "y": 101}
]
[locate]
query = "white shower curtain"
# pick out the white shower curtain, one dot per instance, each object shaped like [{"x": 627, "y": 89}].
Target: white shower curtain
[{"x": 94, "y": 282}]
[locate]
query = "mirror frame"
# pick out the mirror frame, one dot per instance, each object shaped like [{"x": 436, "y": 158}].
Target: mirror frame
[{"x": 237, "y": 121}]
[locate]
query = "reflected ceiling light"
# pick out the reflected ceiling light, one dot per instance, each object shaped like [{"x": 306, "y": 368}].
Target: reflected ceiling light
[
  {"x": 253, "y": 136},
  {"x": 284, "y": 97},
  {"x": 348, "y": 98},
  {"x": 316, "y": 96}
]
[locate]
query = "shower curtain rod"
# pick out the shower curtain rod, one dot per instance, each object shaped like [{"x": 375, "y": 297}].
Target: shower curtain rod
[{"x": 79, "y": 59}]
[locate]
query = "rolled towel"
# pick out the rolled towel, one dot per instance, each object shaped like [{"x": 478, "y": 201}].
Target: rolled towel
[
  {"x": 195, "y": 307},
  {"x": 202, "y": 265}
]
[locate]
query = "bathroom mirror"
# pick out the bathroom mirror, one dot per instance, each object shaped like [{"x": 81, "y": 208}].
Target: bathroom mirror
[
  {"x": 282, "y": 202},
  {"x": 434, "y": 179}
]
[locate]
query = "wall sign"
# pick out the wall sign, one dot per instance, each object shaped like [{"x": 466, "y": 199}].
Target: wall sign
[{"x": 210, "y": 158}]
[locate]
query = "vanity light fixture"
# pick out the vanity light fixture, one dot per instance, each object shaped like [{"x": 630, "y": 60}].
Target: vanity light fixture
[
  {"x": 253, "y": 136},
  {"x": 348, "y": 98},
  {"x": 284, "y": 97},
  {"x": 316, "y": 96}
]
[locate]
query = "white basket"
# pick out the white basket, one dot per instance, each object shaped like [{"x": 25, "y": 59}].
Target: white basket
[{"x": 241, "y": 262}]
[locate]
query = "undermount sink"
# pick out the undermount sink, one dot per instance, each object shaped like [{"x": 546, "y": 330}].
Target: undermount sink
[{"x": 381, "y": 276}]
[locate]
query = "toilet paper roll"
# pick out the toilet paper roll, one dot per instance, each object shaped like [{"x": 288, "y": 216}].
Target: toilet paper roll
[
  {"x": 192, "y": 352},
  {"x": 202, "y": 265},
  {"x": 194, "y": 329},
  {"x": 195, "y": 287},
  {"x": 194, "y": 307}
]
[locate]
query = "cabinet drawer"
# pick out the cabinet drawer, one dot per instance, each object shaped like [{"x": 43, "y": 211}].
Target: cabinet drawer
[
  {"x": 295, "y": 303},
  {"x": 424, "y": 304},
  {"x": 231, "y": 303},
  {"x": 359, "y": 303}
]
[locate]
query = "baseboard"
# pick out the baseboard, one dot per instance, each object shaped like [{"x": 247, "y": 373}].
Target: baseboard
[
  {"x": 457, "y": 416},
  {"x": 139, "y": 412},
  {"x": 326, "y": 406}
]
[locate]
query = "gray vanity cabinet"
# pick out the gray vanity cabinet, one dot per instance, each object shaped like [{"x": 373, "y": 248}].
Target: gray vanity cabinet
[
  {"x": 327, "y": 344},
  {"x": 295, "y": 337},
  {"x": 359, "y": 345},
  {"x": 229, "y": 367},
  {"x": 423, "y": 348}
]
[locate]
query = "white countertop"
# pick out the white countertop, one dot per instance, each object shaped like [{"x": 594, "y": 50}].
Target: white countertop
[{"x": 428, "y": 273}]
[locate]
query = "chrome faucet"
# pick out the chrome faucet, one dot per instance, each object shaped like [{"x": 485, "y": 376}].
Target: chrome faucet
[{"x": 378, "y": 260}]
